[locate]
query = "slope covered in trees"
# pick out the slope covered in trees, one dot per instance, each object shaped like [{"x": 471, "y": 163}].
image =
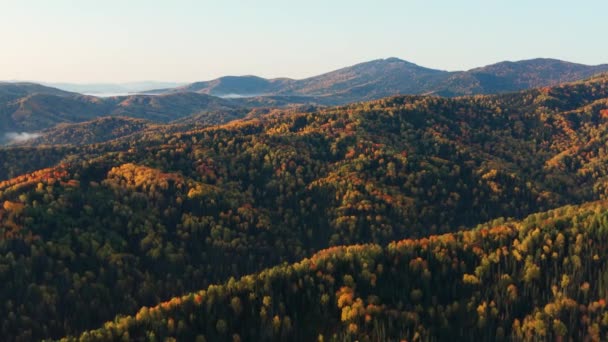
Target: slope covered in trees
[
  {"x": 90, "y": 132},
  {"x": 105, "y": 229},
  {"x": 544, "y": 278},
  {"x": 105, "y": 129}
]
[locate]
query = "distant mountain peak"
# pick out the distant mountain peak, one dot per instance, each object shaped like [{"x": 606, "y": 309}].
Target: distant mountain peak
[
  {"x": 394, "y": 59},
  {"x": 392, "y": 76},
  {"x": 387, "y": 61}
]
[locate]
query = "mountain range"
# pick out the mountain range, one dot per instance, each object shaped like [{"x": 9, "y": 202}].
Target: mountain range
[
  {"x": 29, "y": 107},
  {"x": 393, "y": 76}
]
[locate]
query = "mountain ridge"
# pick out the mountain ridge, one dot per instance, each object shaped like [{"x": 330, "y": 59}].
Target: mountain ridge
[
  {"x": 29, "y": 108},
  {"x": 393, "y": 76}
]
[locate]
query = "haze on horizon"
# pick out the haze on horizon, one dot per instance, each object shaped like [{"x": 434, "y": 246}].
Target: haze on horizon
[{"x": 86, "y": 41}]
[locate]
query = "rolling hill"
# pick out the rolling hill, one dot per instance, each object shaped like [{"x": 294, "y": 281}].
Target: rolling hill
[
  {"x": 91, "y": 233},
  {"x": 38, "y": 111}
]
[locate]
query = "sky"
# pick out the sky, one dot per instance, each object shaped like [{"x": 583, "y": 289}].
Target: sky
[{"x": 87, "y": 41}]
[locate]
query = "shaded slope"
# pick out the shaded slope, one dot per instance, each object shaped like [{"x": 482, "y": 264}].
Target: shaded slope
[
  {"x": 528, "y": 280},
  {"x": 90, "y": 132},
  {"x": 40, "y": 111}
]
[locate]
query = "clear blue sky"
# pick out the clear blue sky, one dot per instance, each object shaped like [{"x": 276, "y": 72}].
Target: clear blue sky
[{"x": 189, "y": 40}]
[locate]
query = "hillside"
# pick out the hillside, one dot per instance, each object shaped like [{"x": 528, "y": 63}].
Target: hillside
[
  {"x": 11, "y": 93},
  {"x": 95, "y": 231},
  {"x": 109, "y": 128},
  {"x": 370, "y": 80},
  {"x": 90, "y": 132},
  {"x": 504, "y": 281},
  {"x": 38, "y": 111},
  {"x": 392, "y": 76}
]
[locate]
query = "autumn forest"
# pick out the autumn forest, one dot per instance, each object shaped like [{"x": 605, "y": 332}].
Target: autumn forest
[{"x": 408, "y": 217}]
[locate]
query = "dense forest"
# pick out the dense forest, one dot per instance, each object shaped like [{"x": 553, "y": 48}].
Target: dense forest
[
  {"x": 544, "y": 278},
  {"x": 155, "y": 220}
]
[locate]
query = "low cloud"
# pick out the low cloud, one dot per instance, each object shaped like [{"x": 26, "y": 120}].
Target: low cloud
[
  {"x": 238, "y": 96},
  {"x": 18, "y": 137}
]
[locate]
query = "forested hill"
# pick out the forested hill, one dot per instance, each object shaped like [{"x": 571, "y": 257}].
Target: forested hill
[
  {"x": 544, "y": 278},
  {"x": 100, "y": 230},
  {"x": 39, "y": 110}
]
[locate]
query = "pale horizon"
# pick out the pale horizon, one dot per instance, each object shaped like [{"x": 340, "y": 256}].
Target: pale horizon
[
  {"x": 84, "y": 83},
  {"x": 84, "y": 42}
]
